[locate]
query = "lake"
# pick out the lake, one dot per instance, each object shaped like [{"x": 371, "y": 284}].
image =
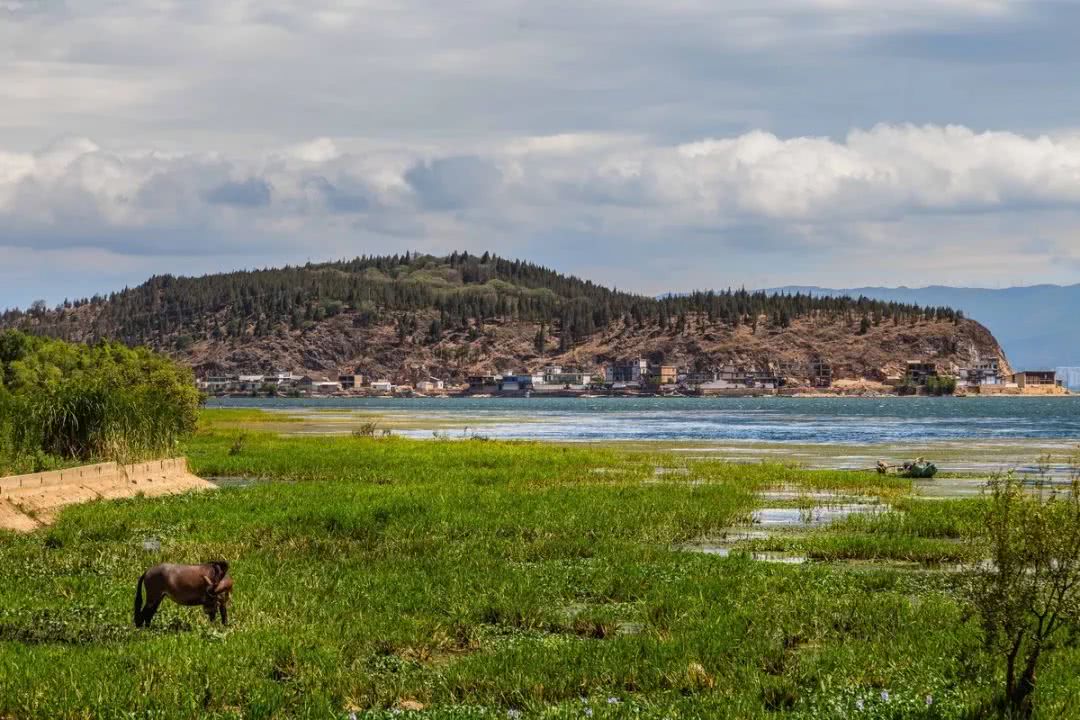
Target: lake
[{"x": 848, "y": 421}]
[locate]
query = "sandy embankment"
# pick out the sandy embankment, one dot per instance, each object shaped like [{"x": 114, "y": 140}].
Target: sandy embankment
[{"x": 30, "y": 501}]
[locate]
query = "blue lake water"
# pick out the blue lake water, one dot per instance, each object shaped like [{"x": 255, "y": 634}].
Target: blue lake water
[{"x": 772, "y": 419}]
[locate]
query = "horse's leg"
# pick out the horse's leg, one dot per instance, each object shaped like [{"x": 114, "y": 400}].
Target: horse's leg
[
  {"x": 149, "y": 610},
  {"x": 224, "y": 616}
]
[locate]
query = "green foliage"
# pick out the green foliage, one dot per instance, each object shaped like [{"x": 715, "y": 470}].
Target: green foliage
[
  {"x": 61, "y": 403},
  {"x": 1029, "y": 597},
  {"x": 481, "y": 579},
  {"x": 940, "y": 385},
  {"x": 464, "y": 290}
]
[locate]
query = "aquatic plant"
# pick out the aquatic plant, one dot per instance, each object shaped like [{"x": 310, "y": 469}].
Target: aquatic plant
[{"x": 475, "y": 578}]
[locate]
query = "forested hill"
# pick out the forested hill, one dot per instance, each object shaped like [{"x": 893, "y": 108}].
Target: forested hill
[{"x": 454, "y": 314}]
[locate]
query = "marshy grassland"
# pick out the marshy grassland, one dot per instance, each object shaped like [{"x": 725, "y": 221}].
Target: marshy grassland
[{"x": 507, "y": 579}]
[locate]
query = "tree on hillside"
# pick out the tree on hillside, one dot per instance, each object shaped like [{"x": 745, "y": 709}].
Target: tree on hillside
[
  {"x": 540, "y": 341},
  {"x": 1030, "y": 593},
  {"x": 463, "y": 289}
]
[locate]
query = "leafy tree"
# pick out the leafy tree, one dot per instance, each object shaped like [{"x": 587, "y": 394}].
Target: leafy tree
[
  {"x": 1030, "y": 593},
  {"x": 540, "y": 341}
]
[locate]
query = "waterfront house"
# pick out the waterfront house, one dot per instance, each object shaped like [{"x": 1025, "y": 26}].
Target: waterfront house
[
  {"x": 249, "y": 383},
  {"x": 282, "y": 377},
  {"x": 383, "y": 386},
  {"x": 218, "y": 383},
  {"x": 483, "y": 383},
  {"x": 1034, "y": 377},
  {"x": 919, "y": 371},
  {"x": 432, "y": 384},
  {"x": 565, "y": 378},
  {"x": 663, "y": 374},
  {"x": 983, "y": 372},
  {"x": 629, "y": 372},
  {"x": 515, "y": 383},
  {"x": 351, "y": 382},
  {"x": 319, "y": 385}
]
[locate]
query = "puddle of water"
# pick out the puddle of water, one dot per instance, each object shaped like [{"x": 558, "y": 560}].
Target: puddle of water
[
  {"x": 232, "y": 481},
  {"x": 759, "y": 555},
  {"x": 817, "y": 516},
  {"x": 817, "y": 496},
  {"x": 742, "y": 534},
  {"x": 658, "y": 471}
]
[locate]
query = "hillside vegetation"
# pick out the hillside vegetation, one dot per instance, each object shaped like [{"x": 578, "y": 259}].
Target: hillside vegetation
[{"x": 411, "y": 314}]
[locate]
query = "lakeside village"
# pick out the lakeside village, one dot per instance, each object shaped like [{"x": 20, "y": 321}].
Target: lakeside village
[{"x": 642, "y": 378}]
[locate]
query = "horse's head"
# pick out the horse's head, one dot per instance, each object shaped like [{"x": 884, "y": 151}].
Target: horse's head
[{"x": 217, "y": 590}]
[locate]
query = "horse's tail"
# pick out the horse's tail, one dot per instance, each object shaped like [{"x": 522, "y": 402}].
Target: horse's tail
[{"x": 139, "y": 600}]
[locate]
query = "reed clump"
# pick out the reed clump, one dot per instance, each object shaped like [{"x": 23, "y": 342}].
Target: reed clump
[{"x": 62, "y": 403}]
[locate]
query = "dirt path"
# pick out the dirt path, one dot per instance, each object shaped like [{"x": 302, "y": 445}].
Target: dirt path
[{"x": 29, "y": 501}]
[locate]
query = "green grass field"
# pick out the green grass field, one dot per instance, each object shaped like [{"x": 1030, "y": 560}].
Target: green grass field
[{"x": 500, "y": 580}]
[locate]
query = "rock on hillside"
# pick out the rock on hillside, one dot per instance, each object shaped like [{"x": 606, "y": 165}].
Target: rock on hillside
[{"x": 337, "y": 344}]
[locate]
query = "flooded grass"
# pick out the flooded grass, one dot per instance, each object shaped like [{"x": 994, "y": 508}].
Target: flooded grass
[{"x": 494, "y": 579}]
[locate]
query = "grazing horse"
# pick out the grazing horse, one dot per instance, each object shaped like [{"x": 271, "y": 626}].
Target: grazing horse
[{"x": 208, "y": 585}]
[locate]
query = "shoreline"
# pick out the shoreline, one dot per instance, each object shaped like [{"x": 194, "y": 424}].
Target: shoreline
[{"x": 641, "y": 396}]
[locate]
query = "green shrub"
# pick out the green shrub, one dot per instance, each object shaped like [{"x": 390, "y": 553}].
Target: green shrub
[
  {"x": 940, "y": 385},
  {"x": 62, "y": 402}
]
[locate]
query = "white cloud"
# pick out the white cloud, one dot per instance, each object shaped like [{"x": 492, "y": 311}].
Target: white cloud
[
  {"x": 281, "y": 129},
  {"x": 888, "y": 170},
  {"x": 198, "y": 74},
  {"x": 805, "y": 190}
]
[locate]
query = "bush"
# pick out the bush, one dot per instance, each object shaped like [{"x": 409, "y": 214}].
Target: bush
[
  {"x": 61, "y": 402},
  {"x": 940, "y": 385}
]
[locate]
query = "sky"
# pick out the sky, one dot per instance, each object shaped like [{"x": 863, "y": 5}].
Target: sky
[{"x": 652, "y": 145}]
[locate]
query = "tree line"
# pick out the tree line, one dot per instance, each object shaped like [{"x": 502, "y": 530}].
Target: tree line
[{"x": 460, "y": 290}]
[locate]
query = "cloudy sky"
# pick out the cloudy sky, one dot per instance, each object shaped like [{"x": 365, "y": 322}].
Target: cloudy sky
[{"x": 651, "y": 144}]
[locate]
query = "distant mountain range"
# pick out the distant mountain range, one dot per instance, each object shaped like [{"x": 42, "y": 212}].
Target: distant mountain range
[{"x": 1038, "y": 326}]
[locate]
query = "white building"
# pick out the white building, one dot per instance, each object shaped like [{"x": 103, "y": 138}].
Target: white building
[
  {"x": 382, "y": 386},
  {"x": 250, "y": 382},
  {"x": 432, "y": 384}
]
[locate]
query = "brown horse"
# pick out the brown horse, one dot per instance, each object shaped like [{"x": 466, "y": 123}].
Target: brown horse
[{"x": 208, "y": 585}]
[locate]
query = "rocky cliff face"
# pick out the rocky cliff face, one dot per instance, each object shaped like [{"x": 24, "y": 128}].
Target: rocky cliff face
[{"x": 379, "y": 350}]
